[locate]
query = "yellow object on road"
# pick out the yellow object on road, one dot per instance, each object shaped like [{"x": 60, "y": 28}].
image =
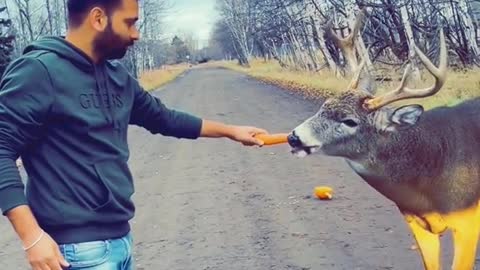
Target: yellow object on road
[{"x": 323, "y": 192}]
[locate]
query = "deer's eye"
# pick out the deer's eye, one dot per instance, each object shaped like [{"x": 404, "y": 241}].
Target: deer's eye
[{"x": 350, "y": 123}]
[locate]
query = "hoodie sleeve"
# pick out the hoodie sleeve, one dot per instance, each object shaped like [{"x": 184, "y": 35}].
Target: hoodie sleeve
[
  {"x": 149, "y": 112},
  {"x": 25, "y": 99}
]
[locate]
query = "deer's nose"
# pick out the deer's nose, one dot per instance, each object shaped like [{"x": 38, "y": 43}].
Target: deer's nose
[{"x": 294, "y": 140}]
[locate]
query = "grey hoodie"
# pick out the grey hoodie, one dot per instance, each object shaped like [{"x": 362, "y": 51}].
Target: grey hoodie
[{"x": 68, "y": 119}]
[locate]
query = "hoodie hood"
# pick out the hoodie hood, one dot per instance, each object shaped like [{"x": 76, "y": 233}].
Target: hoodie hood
[{"x": 62, "y": 48}]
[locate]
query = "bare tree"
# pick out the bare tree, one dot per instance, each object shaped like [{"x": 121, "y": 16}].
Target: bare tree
[
  {"x": 293, "y": 31},
  {"x": 238, "y": 15},
  {"x": 147, "y": 53}
]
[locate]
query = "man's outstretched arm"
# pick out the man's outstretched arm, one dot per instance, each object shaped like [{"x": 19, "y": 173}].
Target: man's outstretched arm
[
  {"x": 243, "y": 134},
  {"x": 149, "y": 112}
]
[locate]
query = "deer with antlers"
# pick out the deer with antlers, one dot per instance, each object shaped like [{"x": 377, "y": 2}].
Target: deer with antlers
[{"x": 426, "y": 162}]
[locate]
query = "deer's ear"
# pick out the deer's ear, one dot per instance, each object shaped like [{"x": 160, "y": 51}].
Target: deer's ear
[
  {"x": 389, "y": 120},
  {"x": 407, "y": 116}
]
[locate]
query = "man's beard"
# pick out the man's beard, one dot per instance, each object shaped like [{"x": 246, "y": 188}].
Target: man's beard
[{"x": 109, "y": 45}]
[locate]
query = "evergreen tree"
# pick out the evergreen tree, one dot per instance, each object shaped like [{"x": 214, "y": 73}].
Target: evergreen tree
[{"x": 181, "y": 50}]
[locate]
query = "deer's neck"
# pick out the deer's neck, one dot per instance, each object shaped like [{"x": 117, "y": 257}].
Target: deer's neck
[
  {"x": 403, "y": 156},
  {"x": 400, "y": 168}
]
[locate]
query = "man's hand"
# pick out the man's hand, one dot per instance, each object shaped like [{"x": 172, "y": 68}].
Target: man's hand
[
  {"x": 43, "y": 253},
  {"x": 46, "y": 255},
  {"x": 245, "y": 135}
]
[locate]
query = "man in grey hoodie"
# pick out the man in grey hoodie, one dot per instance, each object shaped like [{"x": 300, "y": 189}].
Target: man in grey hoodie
[{"x": 65, "y": 107}]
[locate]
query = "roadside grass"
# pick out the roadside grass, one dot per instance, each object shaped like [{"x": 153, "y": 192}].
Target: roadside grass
[
  {"x": 151, "y": 80},
  {"x": 460, "y": 85}
]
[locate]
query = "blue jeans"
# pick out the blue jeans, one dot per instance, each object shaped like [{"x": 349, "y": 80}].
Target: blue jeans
[{"x": 112, "y": 254}]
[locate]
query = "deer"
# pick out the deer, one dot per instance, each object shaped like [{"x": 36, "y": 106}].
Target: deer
[{"x": 427, "y": 162}]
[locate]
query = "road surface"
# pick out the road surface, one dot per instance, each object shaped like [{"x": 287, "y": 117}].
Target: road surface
[{"x": 214, "y": 204}]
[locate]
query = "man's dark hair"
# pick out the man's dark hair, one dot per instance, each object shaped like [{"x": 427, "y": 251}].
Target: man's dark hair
[{"x": 78, "y": 9}]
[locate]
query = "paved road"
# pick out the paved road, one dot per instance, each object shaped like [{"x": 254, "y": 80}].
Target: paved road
[{"x": 215, "y": 204}]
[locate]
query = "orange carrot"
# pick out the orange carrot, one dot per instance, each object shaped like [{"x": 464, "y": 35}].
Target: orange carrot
[{"x": 271, "y": 139}]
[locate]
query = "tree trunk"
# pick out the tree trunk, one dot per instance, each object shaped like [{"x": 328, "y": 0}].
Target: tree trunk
[
  {"x": 49, "y": 16},
  {"x": 65, "y": 12},
  {"x": 323, "y": 48},
  {"x": 359, "y": 43},
  {"x": 411, "y": 44},
  {"x": 470, "y": 30}
]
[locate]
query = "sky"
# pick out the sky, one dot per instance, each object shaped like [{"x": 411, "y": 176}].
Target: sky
[{"x": 191, "y": 16}]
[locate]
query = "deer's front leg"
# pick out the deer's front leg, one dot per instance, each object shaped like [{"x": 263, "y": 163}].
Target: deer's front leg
[
  {"x": 427, "y": 242},
  {"x": 465, "y": 226}
]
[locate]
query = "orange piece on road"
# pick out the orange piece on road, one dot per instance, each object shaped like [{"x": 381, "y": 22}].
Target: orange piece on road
[
  {"x": 323, "y": 192},
  {"x": 271, "y": 139}
]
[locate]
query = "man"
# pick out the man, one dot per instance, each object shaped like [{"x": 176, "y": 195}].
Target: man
[{"x": 65, "y": 109}]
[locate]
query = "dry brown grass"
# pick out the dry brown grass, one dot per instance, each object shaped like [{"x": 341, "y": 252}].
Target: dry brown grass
[
  {"x": 311, "y": 84},
  {"x": 154, "y": 79},
  {"x": 460, "y": 85}
]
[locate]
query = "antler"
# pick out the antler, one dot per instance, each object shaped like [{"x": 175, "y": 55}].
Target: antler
[
  {"x": 356, "y": 77},
  {"x": 403, "y": 92}
]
